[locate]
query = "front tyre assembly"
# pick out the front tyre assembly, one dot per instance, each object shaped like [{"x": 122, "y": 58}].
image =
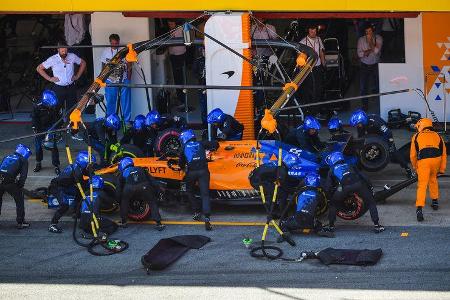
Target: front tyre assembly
[{"x": 374, "y": 155}]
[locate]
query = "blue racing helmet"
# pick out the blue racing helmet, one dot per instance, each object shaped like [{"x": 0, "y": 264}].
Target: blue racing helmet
[
  {"x": 216, "y": 116},
  {"x": 310, "y": 123},
  {"x": 186, "y": 136},
  {"x": 97, "y": 182},
  {"x": 125, "y": 163},
  {"x": 139, "y": 122},
  {"x": 334, "y": 158},
  {"x": 334, "y": 124},
  {"x": 82, "y": 159},
  {"x": 23, "y": 150},
  {"x": 359, "y": 117},
  {"x": 49, "y": 98},
  {"x": 152, "y": 117},
  {"x": 113, "y": 121},
  {"x": 312, "y": 179}
]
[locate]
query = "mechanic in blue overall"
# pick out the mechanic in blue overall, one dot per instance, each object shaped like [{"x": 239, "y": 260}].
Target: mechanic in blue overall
[
  {"x": 344, "y": 180},
  {"x": 64, "y": 187},
  {"x": 133, "y": 182},
  {"x": 44, "y": 115},
  {"x": 141, "y": 135},
  {"x": 13, "y": 174},
  {"x": 193, "y": 161},
  {"x": 91, "y": 205},
  {"x": 305, "y": 213},
  {"x": 103, "y": 134},
  {"x": 231, "y": 129},
  {"x": 306, "y": 136},
  {"x": 374, "y": 124}
]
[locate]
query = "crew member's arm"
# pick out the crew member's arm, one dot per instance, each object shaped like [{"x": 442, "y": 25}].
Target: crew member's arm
[
  {"x": 23, "y": 173},
  {"x": 211, "y": 145},
  {"x": 182, "y": 160},
  {"x": 413, "y": 152},
  {"x": 378, "y": 44},
  {"x": 35, "y": 122},
  {"x": 322, "y": 53},
  {"x": 81, "y": 69},
  {"x": 119, "y": 187},
  {"x": 329, "y": 186},
  {"x": 41, "y": 69},
  {"x": 129, "y": 70}
]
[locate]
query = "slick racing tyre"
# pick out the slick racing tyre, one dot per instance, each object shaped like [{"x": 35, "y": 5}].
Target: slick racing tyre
[
  {"x": 126, "y": 150},
  {"x": 352, "y": 208},
  {"x": 374, "y": 155},
  {"x": 167, "y": 143}
]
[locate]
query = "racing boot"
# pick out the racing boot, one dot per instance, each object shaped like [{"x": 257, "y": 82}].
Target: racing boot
[
  {"x": 434, "y": 204},
  {"x": 159, "y": 226},
  {"x": 38, "y": 167},
  {"x": 378, "y": 228},
  {"x": 23, "y": 225},
  {"x": 197, "y": 216},
  {"x": 419, "y": 214},
  {"x": 54, "y": 228},
  {"x": 208, "y": 225}
]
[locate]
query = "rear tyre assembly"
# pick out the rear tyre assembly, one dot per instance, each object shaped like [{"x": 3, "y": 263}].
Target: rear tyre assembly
[
  {"x": 352, "y": 208},
  {"x": 374, "y": 155},
  {"x": 167, "y": 143}
]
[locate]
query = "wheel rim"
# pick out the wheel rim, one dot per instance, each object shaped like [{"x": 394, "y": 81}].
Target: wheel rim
[
  {"x": 351, "y": 207},
  {"x": 139, "y": 209}
]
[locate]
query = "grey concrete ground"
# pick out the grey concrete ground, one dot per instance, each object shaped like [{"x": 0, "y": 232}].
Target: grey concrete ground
[{"x": 415, "y": 264}]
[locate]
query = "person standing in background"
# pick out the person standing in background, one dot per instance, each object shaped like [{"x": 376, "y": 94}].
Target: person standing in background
[{"x": 177, "y": 56}]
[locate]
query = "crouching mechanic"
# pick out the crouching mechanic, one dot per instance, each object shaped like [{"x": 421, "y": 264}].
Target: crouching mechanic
[
  {"x": 90, "y": 205},
  {"x": 344, "y": 180},
  {"x": 103, "y": 134},
  {"x": 12, "y": 166},
  {"x": 141, "y": 136},
  {"x": 428, "y": 156},
  {"x": 134, "y": 182},
  {"x": 65, "y": 187},
  {"x": 193, "y": 161},
  {"x": 306, "y": 136},
  {"x": 44, "y": 115},
  {"x": 231, "y": 129},
  {"x": 305, "y": 214},
  {"x": 374, "y": 124}
]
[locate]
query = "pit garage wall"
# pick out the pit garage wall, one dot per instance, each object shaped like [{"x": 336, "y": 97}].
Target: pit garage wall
[
  {"x": 427, "y": 64},
  {"x": 130, "y": 30}
]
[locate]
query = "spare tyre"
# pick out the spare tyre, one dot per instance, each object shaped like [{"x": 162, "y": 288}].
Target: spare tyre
[
  {"x": 167, "y": 142},
  {"x": 374, "y": 155},
  {"x": 126, "y": 150},
  {"x": 352, "y": 208}
]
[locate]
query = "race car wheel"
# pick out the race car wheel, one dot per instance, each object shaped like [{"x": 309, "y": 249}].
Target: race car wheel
[
  {"x": 139, "y": 209},
  {"x": 109, "y": 204},
  {"x": 167, "y": 143},
  {"x": 374, "y": 155},
  {"x": 126, "y": 150},
  {"x": 352, "y": 208}
]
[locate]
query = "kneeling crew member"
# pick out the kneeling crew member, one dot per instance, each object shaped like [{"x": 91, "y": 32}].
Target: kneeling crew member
[
  {"x": 136, "y": 182},
  {"x": 141, "y": 136},
  {"x": 343, "y": 180},
  {"x": 12, "y": 166},
  {"x": 43, "y": 116},
  {"x": 90, "y": 206},
  {"x": 428, "y": 156},
  {"x": 374, "y": 124},
  {"x": 231, "y": 129},
  {"x": 103, "y": 134},
  {"x": 65, "y": 187},
  {"x": 306, "y": 136},
  {"x": 193, "y": 161}
]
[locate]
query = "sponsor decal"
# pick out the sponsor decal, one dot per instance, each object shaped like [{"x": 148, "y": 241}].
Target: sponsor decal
[
  {"x": 157, "y": 170},
  {"x": 246, "y": 165}
]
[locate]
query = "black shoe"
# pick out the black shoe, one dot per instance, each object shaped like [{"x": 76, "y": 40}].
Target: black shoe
[
  {"x": 54, "y": 228},
  {"x": 37, "y": 168},
  {"x": 160, "y": 227},
  {"x": 378, "y": 228},
  {"x": 197, "y": 216},
  {"x": 419, "y": 214},
  {"x": 435, "y": 204},
  {"x": 328, "y": 228},
  {"x": 23, "y": 225},
  {"x": 325, "y": 233},
  {"x": 57, "y": 171},
  {"x": 122, "y": 224},
  {"x": 208, "y": 225}
]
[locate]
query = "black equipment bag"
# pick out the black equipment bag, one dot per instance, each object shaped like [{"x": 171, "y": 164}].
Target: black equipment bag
[
  {"x": 169, "y": 250},
  {"x": 364, "y": 257}
]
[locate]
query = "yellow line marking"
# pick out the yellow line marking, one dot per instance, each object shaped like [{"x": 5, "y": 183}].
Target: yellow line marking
[
  {"x": 404, "y": 234},
  {"x": 219, "y": 223}
]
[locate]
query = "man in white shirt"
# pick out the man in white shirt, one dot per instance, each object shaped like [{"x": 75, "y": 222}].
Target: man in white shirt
[
  {"x": 369, "y": 51},
  {"x": 177, "y": 56},
  {"x": 121, "y": 74},
  {"x": 313, "y": 84},
  {"x": 62, "y": 65}
]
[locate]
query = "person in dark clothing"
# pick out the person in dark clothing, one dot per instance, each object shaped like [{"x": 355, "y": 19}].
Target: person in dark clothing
[
  {"x": 374, "y": 124},
  {"x": 13, "y": 166},
  {"x": 103, "y": 134},
  {"x": 306, "y": 136},
  {"x": 343, "y": 180},
  {"x": 193, "y": 161},
  {"x": 142, "y": 136},
  {"x": 231, "y": 129},
  {"x": 44, "y": 115},
  {"x": 136, "y": 182},
  {"x": 91, "y": 206},
  {"x": 65, "y": 187}
]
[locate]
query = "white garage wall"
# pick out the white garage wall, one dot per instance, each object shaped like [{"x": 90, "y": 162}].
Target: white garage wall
[
  {"x": 130, "y": 30},
  {"x": 412, "y": 70}
]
